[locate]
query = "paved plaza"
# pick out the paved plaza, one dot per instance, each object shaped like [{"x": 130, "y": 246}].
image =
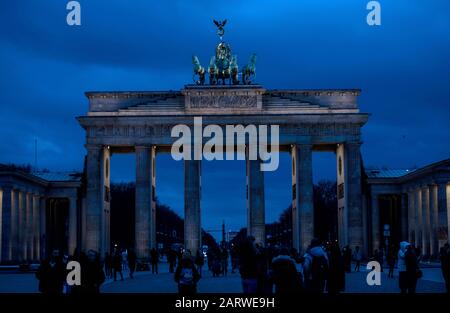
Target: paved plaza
[{"x": 145, "y": 282}]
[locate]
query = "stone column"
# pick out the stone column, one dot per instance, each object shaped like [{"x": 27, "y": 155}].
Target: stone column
[
  {"x": 302, "y": 189},
  {"x": 42, "y": 228},
  {"x": 6, "y": 230},
  {"x": 411, "y": 216},
  {"x": 305, "y": 203},
  {"x": 153, "y": 242},
  {"x": 295, "y": 217},
  {"x": 106, "y": 200},
  {"x": 443, "y": 213},
  {"x": 72, "y": 238},
  {"x": 434, "y": 219},
  {"x": 418, "y": 214},
  {"x": 425, "y": 222},
  {"x": 404, "y": 216},
  {"x": 35, "y": 233},
  {"x": 95, "y": 193},
  {"x": 354, "y": 205},
  {"x": 29, "y": 227},
  {"x": 376, "y": 237},
  {"x": 341, "y": 195},
  {"x": 143, "y": 214},
  {"x": 256, "y": 219},
  {"x": 22, "y": 226},
  {"x": 15, "y": 226},
  {"x": 192, "y": 195}
]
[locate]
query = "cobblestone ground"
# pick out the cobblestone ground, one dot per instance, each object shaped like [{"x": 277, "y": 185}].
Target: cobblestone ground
[{"x": 144, "y": 282}]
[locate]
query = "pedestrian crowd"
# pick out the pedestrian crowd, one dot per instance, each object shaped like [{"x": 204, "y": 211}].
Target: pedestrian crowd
[{"x": 321, "y": 268}]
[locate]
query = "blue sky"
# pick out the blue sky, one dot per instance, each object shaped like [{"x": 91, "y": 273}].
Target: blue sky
[{"x": 401, "y": 66}]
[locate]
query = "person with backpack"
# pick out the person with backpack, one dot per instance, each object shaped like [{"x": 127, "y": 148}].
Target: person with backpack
[
  {"x": 51, "y": 275},
  {"x": 186, "y": 275},
  {"x": 413, "y": 271},
  {"x": 92, "y": 275},
  {"x": 401, "y": 265},
  {"x": 284, "y": 274},
  {"x": 315, "y": 267}
]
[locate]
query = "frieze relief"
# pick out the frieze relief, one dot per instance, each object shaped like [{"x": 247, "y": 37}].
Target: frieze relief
[
  {"x": 304, "y": 129},
  {"x": 223, "y": 101}
]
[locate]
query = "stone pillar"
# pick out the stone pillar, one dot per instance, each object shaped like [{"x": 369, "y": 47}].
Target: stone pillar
[
  {"x": 22, "y": 226},
  {"x": 354, "y": 205},
  {"x": 42, "y": 228},
  {"x": 6, "y": 230},
  {"x": 29, "y": 227},
  {"x": 434, "y": 218},
  {"x": 443, "y": 213},
  {"x": 35, "y": 233},
  {"x": 418, "y": 217},
  {"x": 425, "y": 222},
  {"x": 144, "y": 234},
  {"x": 303, "y": 200},
  {"x": 153, "y": 242},
  {"x": 97, "y": 167},
  {"x": 341, "y": 195},
  {"x": 376, "y": 237},
  {"x": 404, "y": 216},
  {"x": 305, "y": 203},
  {"x": 192, "y": 196},
  {"x": 15, "y": 226},
  {"x": 106, "y": 196},
  {"x": 256, "y": 225},
  {"x": 411, "y": 216},
  {"x": 295, "y": 217},
  {"x": 72, "y": 238}
]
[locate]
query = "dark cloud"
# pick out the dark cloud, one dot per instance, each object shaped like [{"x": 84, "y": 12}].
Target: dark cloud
[{"x": 402, "y": 68}]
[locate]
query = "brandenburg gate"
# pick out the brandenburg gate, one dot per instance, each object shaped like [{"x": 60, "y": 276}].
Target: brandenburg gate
[{"x": 141, "y": 123}]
